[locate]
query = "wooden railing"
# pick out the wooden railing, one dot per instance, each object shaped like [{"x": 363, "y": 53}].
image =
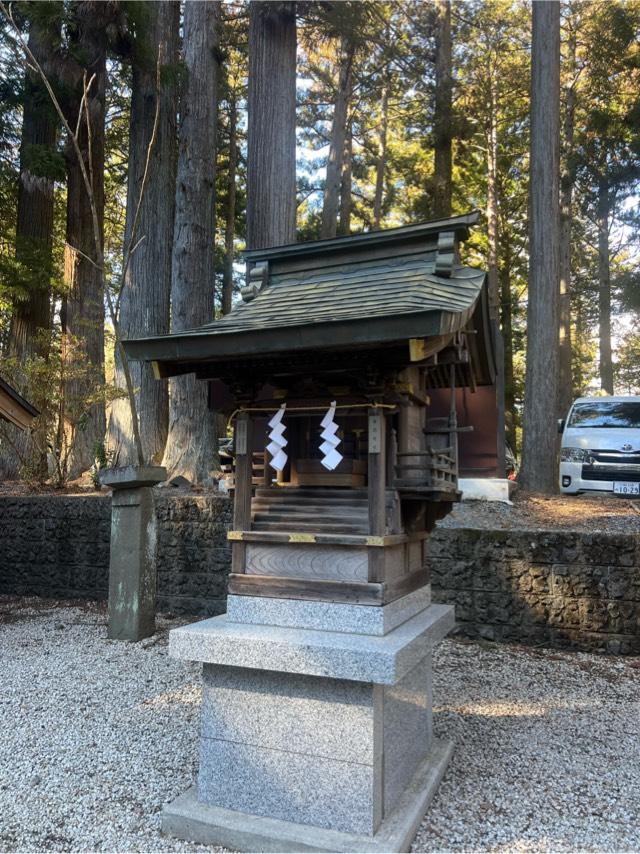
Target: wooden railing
[{"x": 429, "y": 471}]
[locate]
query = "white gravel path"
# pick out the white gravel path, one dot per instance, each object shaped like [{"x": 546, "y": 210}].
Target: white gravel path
[{"x": 96, "y": 735}]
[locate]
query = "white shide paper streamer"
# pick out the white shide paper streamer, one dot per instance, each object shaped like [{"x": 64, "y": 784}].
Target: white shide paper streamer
[
  {"x": 331, "y": 457},
  {"x": 278, "y": 442}
]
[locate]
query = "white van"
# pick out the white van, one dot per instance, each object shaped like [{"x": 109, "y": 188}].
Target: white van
[{"x": 600, "y": 448}]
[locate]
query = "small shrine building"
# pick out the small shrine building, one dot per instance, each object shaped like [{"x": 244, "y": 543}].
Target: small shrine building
[{"x": 316, "y": 727}]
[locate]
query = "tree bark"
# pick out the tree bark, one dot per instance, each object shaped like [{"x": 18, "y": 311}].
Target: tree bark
[
  {"x": 329, "y": 224},
  {"x": 493, "y": 231},
  {"x": 443, "y": 115},
  {"x": 567, "y": 179},
  {"x": 271, "y": 144},
  {"x": 31, "y": 317},
  {"x": 493, "y": 261},
  {"x": 539, "y": 465},
  {"x": 604, "y": 288},
  {"x": 34, "y": 226},
  {"x": 346, "y": 184},
  {"x": 507, "y": 339},
  {"x": 381, "y": 161},
  {"x": 144, "y": 309},
  {"x": 191, "y": 449},
  {"x": 82, "y": 312},
  {"x": 230, "y": 223}
]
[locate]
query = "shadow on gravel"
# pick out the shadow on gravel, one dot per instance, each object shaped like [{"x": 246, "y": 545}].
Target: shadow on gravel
[{"x": 17, "y": 609}]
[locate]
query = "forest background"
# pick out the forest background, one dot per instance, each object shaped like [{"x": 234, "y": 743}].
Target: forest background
[{"x": 206, "y": 127}]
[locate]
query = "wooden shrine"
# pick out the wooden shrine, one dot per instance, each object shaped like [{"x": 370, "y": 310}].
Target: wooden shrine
[
  {"x": 371, "y": 322},
  {"x": 317, "y": 706}
]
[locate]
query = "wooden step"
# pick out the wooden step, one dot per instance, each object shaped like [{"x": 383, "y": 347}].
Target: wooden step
[
  {"x": 317, "y": 527},
  {"x": 311, "y": 507},
  {"x": 318, "y": 493},
  {"x": 298, "y": 507},
  {"x": 319, "y": 497},
  {"x": 282, "y": 513}
]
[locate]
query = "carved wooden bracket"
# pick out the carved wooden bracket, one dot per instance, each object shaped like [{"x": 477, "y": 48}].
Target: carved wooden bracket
[
  {"x": 446, "y": 255},
  {"x": 257, "y": 278}
]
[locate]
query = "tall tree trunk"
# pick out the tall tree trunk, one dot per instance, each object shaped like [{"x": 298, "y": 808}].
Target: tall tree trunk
[
  {"x": 493, "y": 230},
  {"x": 381, "y": 160},
  {"x": 346, "y": 184},
  {"x": 31, "y": 317},
  {"x": 604, "y": 287},
  {"x": 329, "y": 224},
  {"x": 191, "y": 449},
  {"x": 493, "y": 271},
  {"x": 230, "y": 223},
  {"x": 443, "y": 116},
  {"x": 539, "y": 465},
  {"x": 577, "y": 367},
  {"x": 271, "y": 144},
  {"x": 507, "y": 341},
  {"x": 34, "y": 226},
  {"x": 567, "y": 179},
  {"x": 144, "y": 309},
  {"x": 82, "y": 312}
]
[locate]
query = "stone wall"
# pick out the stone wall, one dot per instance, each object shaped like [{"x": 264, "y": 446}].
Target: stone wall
[
  {"x": 58, "y": 546},
  {"x": 556, "y": 587},
  {"x": 553, "y": 587},
  {"x": 194, "y": 556},
  {"x": 55, "y": 545}
]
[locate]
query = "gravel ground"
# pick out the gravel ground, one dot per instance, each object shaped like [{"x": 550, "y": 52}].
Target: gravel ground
[
  {"x": 598, "y": 512},
  {"x": 96, "y": 735}
]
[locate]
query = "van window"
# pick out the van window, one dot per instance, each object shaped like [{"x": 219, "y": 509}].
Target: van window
[{"x": 602, "y": 413}]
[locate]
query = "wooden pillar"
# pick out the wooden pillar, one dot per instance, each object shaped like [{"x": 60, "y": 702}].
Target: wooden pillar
[
  {"x": 242, "y": 499},
  {"x": 377, "y": 472},
  {"x": 453, "y": 418},
  {"x": 377, "y": 489}
]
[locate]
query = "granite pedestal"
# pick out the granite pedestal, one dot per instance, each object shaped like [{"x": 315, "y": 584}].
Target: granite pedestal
[
  {"x": 313, "y": 737},
  {"x": 132, "y": 566}
]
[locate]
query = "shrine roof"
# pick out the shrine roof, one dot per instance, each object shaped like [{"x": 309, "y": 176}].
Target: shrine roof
[
  {"x": 14, "y": 408},
  {"x": 363, "y": 289}
]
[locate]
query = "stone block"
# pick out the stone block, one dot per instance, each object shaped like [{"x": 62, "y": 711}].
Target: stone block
[
  {"x": 553, "y": 546},
  {"x": 327, "y": 616},
  {"x": 361, "y": 658},
  {"x": 293, "y": 787},
  {"x": 132, "y": 477},
  {"x": 292, "y": 747},
  {"x": 623, "y": 583},
  {"x": 578, "y": 580},
  {"x": 187, "y": 818},
  {"x": 564, "y": 612},
  {"x": 407, "y": 730},
  {"x": 303, "y": 714},
  {"x": 608, "y": 549}
]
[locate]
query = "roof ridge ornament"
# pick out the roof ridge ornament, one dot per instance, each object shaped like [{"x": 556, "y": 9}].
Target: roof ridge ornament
[
  {"x": 446, "y": 254},
  {"x": 257, "y": 278}
]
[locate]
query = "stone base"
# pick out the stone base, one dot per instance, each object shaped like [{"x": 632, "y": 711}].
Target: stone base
[
  {"x": 487, "y": 489},
  {"x": 328, "y": 616},
  {"x": 187, "y": 818},
  {"x": 323, "y": 736}
]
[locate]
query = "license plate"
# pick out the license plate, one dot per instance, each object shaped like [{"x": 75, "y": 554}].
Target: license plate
[{"x": 621, "y": 488}]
